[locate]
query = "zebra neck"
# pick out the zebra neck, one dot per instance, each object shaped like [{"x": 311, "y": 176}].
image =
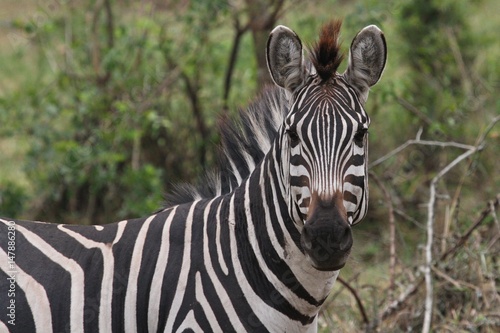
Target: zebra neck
[{"x": 268, "y": 245}]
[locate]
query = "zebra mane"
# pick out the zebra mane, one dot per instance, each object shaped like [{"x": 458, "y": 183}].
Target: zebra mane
[
  {"x": 244, "y": 141},
  {"x": 326, "y": 55}
]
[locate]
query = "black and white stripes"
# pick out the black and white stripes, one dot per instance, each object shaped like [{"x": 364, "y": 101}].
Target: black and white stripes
[{"x": 256, "y": 248}]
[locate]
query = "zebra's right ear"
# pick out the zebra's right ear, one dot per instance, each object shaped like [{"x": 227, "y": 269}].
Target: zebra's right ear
[{"x": 284, "y": 58}]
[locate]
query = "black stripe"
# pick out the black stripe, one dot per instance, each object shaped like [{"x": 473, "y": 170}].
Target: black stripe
[{"x": 148, "y": 264}]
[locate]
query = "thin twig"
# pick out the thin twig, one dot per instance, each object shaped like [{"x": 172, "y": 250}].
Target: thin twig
[
  {"x": 358, "y": 300},
  {"x": 457, "y": 283},
  {"x": 417, "y": 141},
  {"x": 408, "y": 106},
  {"x": 487, "y": 211},
  {"x": 454, "y": 203}
]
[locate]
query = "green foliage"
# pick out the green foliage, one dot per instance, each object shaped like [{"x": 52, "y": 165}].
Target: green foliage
[
  {"x": 12, "y": 198},
  {"x": 113, "y": 121},
  {"x": 441, "y": 48}
]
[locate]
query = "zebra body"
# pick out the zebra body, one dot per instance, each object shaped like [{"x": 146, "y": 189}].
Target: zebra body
[{"x": 257, "y": 249}]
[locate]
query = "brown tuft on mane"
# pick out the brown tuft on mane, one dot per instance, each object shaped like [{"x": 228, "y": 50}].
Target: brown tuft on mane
[{"x": 326, "y": 55}]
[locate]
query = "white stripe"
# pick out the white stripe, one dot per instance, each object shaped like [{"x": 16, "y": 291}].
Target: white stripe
[
  {"x": 209, "y": 313},
  {"x": 317, "y": 283},
  {"x": 76, "y": 274},
  {"x": 189, "y": 323},
  {"x": 182, "y": 281},
  {"x": 355, "y": 170},
  {"x": 135, "y": 265},
  {"x": 221, "y": 291},
  {"x": 157, "y": 281},
  {"x": 220, "y": 255},
  {"x": 272, "y": 319},
  {"x": 105, "y": 317},
  {"x": 33, "y": 291},
  {"x": 4, "y": 328},
  {"x": 297, "y": 302}
]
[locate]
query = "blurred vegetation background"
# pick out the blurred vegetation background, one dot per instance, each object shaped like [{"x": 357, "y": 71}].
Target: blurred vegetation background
[{"x": 105, "y": 104}]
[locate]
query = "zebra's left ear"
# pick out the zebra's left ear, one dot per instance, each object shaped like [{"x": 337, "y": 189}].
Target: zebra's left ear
[
  {"x": 284, "y": 58},
  {"x": 367, "y": 57}
]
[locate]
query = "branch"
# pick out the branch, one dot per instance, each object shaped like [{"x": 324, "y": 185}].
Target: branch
[
  {"x": 192, "y": 92},
  {"x": 412, "y": 288},
  {"x": 109, "y": 24},
  {"x": 430, "y": 236},
  {"x": 358, "y": 300},
  {"x": 395, "y": 305},
  {"x": 417, "y": 141},
  {"x": 408, "y": 106},
  {"x": 490, "y": 209},
  {"x": 239, "y": 32}
]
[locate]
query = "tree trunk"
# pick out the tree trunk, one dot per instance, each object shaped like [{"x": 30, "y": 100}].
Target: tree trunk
[{"x": 263, "y": 15}]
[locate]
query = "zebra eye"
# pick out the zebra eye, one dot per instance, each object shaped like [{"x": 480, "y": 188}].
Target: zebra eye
[
  {"x": 359, "y": 136},
  {"x": 292, "y": 134}
]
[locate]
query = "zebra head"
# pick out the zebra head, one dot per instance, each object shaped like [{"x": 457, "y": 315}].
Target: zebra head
[{"x": 323, "y": 141}]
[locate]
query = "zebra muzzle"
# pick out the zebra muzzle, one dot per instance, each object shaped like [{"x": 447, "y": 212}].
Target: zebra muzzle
[{"x": 326, "y": 236}]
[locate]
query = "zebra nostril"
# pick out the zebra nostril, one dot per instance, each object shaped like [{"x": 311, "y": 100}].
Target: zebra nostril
[{"x": 346, "y": 240}]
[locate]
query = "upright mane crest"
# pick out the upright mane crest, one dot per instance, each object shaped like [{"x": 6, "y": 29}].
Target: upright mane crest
[{"x": 326, "y": 55}]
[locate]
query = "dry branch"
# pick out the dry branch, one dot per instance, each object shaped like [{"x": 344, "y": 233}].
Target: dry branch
[
  {"x": 394, "y": 306},
  {"x": 430, "y": 236},
  {"x": 417, "y": 141},
  {"x": 357, "y": 298}
]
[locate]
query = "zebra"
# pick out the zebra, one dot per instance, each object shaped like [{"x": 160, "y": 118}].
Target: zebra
[{"x": 256, "y": 248}]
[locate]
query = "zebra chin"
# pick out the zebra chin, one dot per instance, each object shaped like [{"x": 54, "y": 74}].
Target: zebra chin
[{"x": 326, "y": 236}]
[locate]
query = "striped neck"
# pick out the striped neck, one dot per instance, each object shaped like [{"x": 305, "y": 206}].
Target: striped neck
[{"x": 286, "y": 280}]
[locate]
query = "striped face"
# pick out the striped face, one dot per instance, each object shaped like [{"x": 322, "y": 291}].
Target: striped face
[
  {"x": 326, "y": 133},
  {"x": 324, "y": 137}
]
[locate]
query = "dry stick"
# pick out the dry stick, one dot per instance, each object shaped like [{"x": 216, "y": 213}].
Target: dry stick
[
  {"x": 334, "y": 295},
  {"x": 417, "y": 141},
  {"x": 430, "y": 237},
  {"x": 492, "y": 205},
  {"x": 395, "y": 305},
  {"x": 412, "y": 288},
  {"x": 392, "y": 234},
  {"x": 422, "y": 116},
  {"x": 358, "y": 300},
  {"x": 457, "y": 283},
  {"x": 456, "y": 196}
]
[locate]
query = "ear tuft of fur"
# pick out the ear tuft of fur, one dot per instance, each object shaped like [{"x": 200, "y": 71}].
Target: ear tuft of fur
[{"x": 326, "y": 55}]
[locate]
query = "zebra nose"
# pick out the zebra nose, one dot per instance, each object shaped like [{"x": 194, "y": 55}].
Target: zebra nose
[{"x": 327, "y": 239}]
